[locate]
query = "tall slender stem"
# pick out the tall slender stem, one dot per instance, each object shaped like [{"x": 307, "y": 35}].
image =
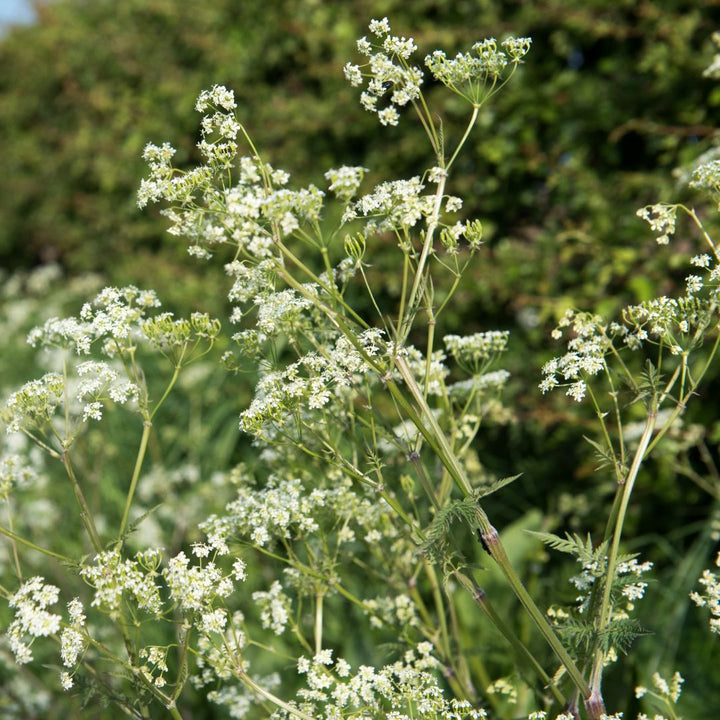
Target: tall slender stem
[
  {"x": 85, "y": 513},
  {"x": 605, "y": 610},
  {"x": 18, "y": 539},
  {"x": 147, "y": 427}
]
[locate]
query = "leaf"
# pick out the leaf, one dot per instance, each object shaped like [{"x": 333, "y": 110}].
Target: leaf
[
  {"x": 495, "y": 486},
  {"x": 567, "y": 544},
  {"x": 134, "y": 524},
  {"x": 604, "y": 453},
  {"x": 574, "y": 545}
]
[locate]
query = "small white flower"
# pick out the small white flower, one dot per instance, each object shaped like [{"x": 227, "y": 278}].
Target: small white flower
[
  {"x": 380, "y": 27},
  {"x": 389, "y": 116}
]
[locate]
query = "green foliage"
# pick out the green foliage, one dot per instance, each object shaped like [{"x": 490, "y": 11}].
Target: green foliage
[{"x": 617, "y": 100}]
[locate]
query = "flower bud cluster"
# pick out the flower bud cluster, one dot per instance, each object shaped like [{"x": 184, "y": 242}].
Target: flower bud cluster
[{"x": 667, "y": 691}]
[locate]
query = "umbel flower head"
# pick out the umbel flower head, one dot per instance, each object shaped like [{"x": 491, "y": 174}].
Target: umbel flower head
[
  {"x": 478, "y": 74},
  {"x": 474, "y": 76},
  {"x": 390, "y": 75}
]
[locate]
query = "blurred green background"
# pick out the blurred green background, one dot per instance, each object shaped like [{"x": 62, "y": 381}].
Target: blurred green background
[{"x": 610, "y": 103}]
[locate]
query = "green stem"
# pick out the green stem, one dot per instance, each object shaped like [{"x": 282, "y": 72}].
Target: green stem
[
  {"x": 245, "y": 678},
  {"x": 85, "y": 513},
  {"x": 169, "y": 387},
  {"x": 473, "y": 118},
  {"x": 318, "y": 621},
  {"x": 696, "y": 220},
  {"x": 605, "y": 610},
  {"x": 480, "y": 598},
  {"x": 16, "y": 557},
  {"x": 142, "y": 450},
  {"x": 17, "y": 538},
  {"x": 147, "y": 427}
]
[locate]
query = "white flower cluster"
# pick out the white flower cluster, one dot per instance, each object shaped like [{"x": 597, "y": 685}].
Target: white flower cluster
[
  {"x": 32, "y": 617},
  {"x": 117, "y": 319},
  {"x": 73, "y": 641},
  {"x": 388, "y": 70},
  {"x": 627, "y": 576},
  {"x": 662, "y": 218},
  {"x": 219, "y": 122},
  {"x": 209, "y": 211},
  {"x": 710, "y": 597},
  {"x": 402, "y": 690},
  {"x": 396, "y": 204},
  {"x": 196, "y": 587},
  {"x": 345, "y": 181},
  {"x": 632, "y": 588},
  {"x": 286, "y": 509},
  {"x": 474, "y": 75},
  {"x": 250, "y": 279},
  {"x": 706, "y": 177},
  {"x": 114, "y": 315},
  {"x": 99, "y": 383},
  {"x": 677, "y": 323},
  {"x": 473, "y": 352},
  {"x": 310, "y": 383},
  {"x": 281, "y": 509},
  {"x": 670, "y": 320},
  {"x": 586, "y": 357},
  {"x": 282, "y": 312},
  {"x": 111, "y": 577}
]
